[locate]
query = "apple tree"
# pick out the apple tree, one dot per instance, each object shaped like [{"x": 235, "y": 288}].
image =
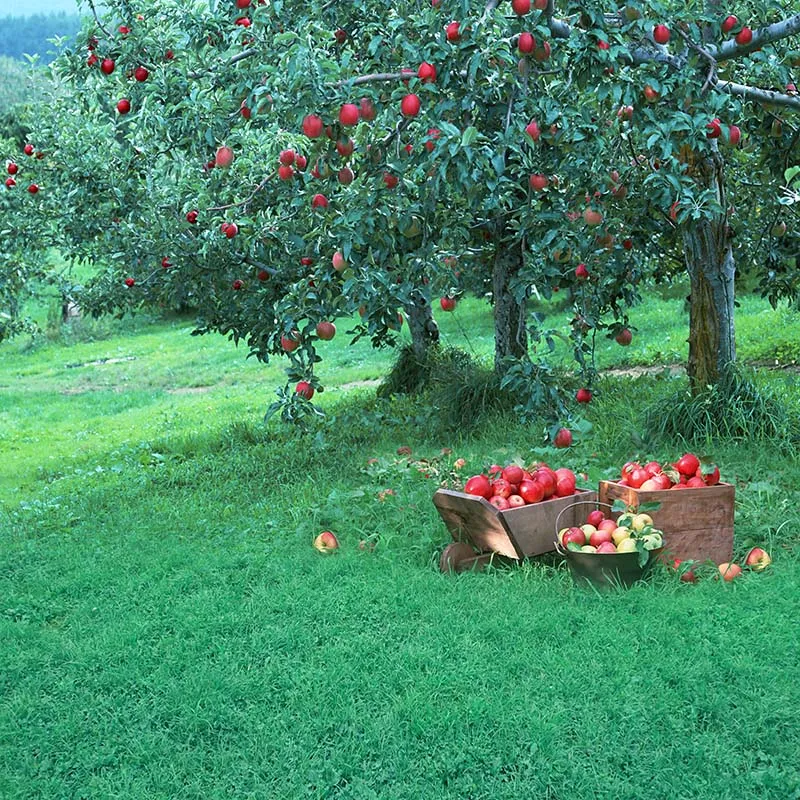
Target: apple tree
[{"x": 278, "y": 166}]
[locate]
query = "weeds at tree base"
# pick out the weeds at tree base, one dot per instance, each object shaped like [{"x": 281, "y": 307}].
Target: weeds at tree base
[{"x": 735, "y": 409}]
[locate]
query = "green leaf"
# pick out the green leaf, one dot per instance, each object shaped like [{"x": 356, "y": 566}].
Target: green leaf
[{"x": 469, "y": 136}]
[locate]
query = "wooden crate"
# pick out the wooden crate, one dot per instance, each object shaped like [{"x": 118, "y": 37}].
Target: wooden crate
[
  {"x": 515, "y": 532},
  {"x": 697, "y": 523}
]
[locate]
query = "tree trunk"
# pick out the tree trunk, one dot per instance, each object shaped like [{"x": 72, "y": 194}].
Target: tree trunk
[
  {"x": 709, "y": 262},
  {"x": 423, "y": 327},
  {"x": 510, "y": 334}
]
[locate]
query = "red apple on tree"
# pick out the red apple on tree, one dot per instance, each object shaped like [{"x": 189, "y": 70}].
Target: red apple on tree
[
  {"x": 581, "y": 272},
  {"x": 107, "y": 66},
  {"x": 426, "y": 72},
  {"x": 191, "y": 216},
  {"x": 304, "y": 389},
  {"x": 521, "y": 7},
  {"x": 319, "y": 201},
  {"x": 223, "y": 157},
  {"x": 526, "y": 43},
  {"x": 452, "y": 32},
  {"x": 348, "y": 114},
  {"x": 624, "y": 337},
  {"x": 312, "y": 126},
  {"x": 584, "y": 396},
  {"x": 326, "y": 330},
  {"x": 141, "y": 74},
  {"x": 410, "y": 105},
  {"x": 123, "y": 106},
  {"x": 661, "y": 34},
  {"x": 745, "y": 36},
  {"x": 447, "y": 303},
  {"x": 729, "y": 23},
  {"x": 290, "y": 341}
]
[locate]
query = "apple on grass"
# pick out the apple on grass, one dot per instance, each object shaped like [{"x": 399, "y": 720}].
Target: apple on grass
[
  {"x": 326, "y": 542},
  {"x": 757, "y": 559},
  {"x": 729, "y": 571}
]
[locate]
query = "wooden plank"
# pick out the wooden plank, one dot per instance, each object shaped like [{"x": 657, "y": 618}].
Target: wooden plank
[
  {"x": 533, "y": 529},
  {"x": 516, "y": 532},
  {"x": 474, "y": 520},
  {"x": 697, "y": 523}
]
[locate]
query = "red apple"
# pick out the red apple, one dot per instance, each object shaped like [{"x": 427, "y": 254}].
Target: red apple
[
  {"x": 513, "y": 473},
  {"x": 757, "y": 559},
  {"x": 515, "y": 501},
  {"x": 33, "y": 188},
  {"x": 10, "y": 183},
  {"x": 326, "y": 330},
  {"x": 584, "y": 396},
  {"x": 349, "y": 114},
  {"x": 452, "y": 32},
  {"x": 107, "y": 66},
  {"x": 745, "y": 36},
  {"x": 191, "y": 216},
  {"x": 326, "y": 542},
  {"x": 346, "y": 176},
  {"x": 479, "y": 485},
  {"x": 729, "y": 23},
  {"x": 695, "y": 483},
  {"x": 521, "y": 7},
  {"x": 410, "y": 105},
  {"x": 734, "y": 135},
  {"x": 624, "y": 337},
  {"x": 312, "y": 126},
  {"x": 286, "y": 157},
  {"x": 538, "y": 182},
  {"x": 607, "y": 525},
  {"x": 390, "y": 180},
  {"x": 141, "y": 74},
  {"x": 575, "y": 536},
  {"x": 713, "y": 129},
  {"x": 339, "y": 261},
  {"x": 661, "y": 34},
  {"x": 123, "y": 106},
  {"x": 650, "y": 94},
  {"x": 344, "y": 147},
  {"x": 499, "y": 502},
  {"x": 547, "y": 478},
  {"x": 592, "y": 217},
  {"x": 502, "y": 488},
  {"x": 729, "y": 571},
  {"x": 531, "y": 491},
  {"x": 129, "y": 282},
  {"x": 526, "y": 43},
  {"x": 28, "y": 149},
  {"x": 319, "y": 201},
  {"x": 262, "y": 275},
  {"x": 366, "y": 109},
  {"x": 533, "y": 130},
  {"x": 304, "y": 389},
  {"x": 224, "y": 157},
  {"x": 606, "y": 547},
  {"x": 688, "y": 464},
  {"x": 447, "y": 303},
  {"x": 563, "y": 438},
  {"x": 291, "y": 341},
  {"x": 595, "y": 517},
  {"x": 285, "y": 173},
  {"x": 426, "y": 72}
]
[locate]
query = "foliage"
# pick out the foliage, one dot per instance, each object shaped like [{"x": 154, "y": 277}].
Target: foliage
[{"x": 623, "y": 175}]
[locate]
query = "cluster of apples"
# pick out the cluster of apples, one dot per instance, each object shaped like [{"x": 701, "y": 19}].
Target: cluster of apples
[
  {"x": 686, "y": 473},
  {"x": 601, "y": 534},
  {"x": 756, "y": 560},
  {"x": 512, "y": 486}
]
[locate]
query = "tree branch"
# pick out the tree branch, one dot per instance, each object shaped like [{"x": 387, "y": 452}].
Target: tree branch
[
  {"x": 97, "y": 19},
  {"x": 771, "y": 33},
  {"x": 759, "y": 95},
  {"x": 375, "y": 77},
  {"x": 251, "y": 51},
  {"x": 253, "y": 263}
]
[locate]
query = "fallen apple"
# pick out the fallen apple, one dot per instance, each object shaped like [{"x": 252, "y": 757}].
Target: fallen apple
[
  {"x": 326, "y": 542},
  {"x": 757, "y": 559}
]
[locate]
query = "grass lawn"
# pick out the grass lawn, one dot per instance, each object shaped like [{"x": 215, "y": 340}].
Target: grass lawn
[{"x": 169, "y": 632}]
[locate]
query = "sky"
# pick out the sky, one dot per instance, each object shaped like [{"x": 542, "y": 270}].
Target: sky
[{"x": 16, "y": 8}]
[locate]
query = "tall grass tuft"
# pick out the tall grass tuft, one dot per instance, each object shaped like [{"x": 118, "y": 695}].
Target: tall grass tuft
[
  {"x": 458, "y": 390},
  {"x": 738, "y": 408}
]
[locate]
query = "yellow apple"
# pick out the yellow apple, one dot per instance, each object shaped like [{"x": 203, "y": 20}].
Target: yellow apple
[
  {"x": 641, "y": 521},
  {"x": 626, "y": 545},
  {"x": 620, "y": 533}
]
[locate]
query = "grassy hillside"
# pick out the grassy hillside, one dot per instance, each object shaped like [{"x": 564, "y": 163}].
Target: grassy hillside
[{"x": 169, "y": 631}]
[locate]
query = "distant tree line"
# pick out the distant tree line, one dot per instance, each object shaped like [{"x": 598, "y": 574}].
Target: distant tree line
[{"x": 30, "y": 35}]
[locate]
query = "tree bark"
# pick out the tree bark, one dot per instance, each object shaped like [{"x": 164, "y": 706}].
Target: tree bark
[
  {"x": 709, "y": 261},
  {"x": 510, "y": 333},
  {"x": 423, "y": 327}
]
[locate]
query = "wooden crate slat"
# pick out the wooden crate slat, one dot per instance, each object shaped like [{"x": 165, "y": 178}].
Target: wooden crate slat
[{"x": 697, "y": 523}]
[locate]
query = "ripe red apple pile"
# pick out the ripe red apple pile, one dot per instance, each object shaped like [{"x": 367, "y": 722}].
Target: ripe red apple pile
[
  {"x": 688, "y": 472},
  {"x": 601, "y": 534},
  {"x": 512, "y": 486}
]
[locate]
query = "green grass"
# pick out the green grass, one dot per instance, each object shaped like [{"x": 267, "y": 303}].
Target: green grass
[{"x": 169, "y": 632}]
